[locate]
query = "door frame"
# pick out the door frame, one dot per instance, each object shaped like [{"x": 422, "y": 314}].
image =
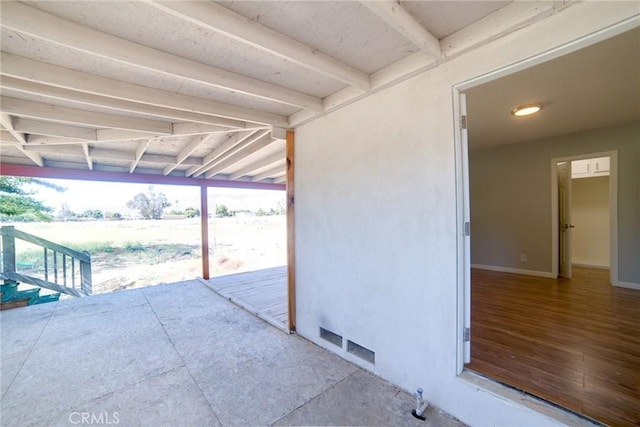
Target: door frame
[
  {"x": 463, "y": 264},
  {"x": 613, "y": 210}
]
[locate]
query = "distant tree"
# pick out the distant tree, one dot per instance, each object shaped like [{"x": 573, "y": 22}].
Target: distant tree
[
  {"x": 150, "y": 205},
  {"x": 192, "y": 212},
  {"x": 65, "y": 212},
  {"x": 93, "y": 213},
  {"x": 261, "y": 212},
  {"x": 113, "y": 215},
  {"x": 17, "y": 200},
  {"x": 222, "y": 211}
]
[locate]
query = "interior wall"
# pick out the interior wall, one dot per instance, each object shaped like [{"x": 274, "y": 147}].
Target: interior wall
[
  {"x": 510, "y": 199},
  {"x": 376, "y": 227},
  {"x": 590, "y": 215}
]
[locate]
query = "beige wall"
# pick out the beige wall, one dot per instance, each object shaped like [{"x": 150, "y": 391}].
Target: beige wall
[
  {"x": 510, "y": 199},
  {"x": 590, "y": 215}
]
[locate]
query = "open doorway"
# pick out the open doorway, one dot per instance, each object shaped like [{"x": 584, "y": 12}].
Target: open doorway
[
  {"x": 561, "y": 340},
  {"x": 584, "y": 215}
]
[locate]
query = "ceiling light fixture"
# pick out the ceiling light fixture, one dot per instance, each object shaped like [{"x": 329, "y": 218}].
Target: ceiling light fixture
[{"x": 525, "y": 110}]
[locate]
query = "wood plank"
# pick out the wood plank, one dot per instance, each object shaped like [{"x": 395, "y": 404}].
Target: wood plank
[
  {"x": 291, "y": 229},
  {"x": 204, "y": 230},
  {"x": 572, "y": 342},
  {"x": 262, "y": 292}
]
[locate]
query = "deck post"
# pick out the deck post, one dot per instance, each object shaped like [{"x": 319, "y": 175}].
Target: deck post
[
  {"x": 86, "y": 281},
  {"x": 8, "y": 250},
  {"x": 291, "y": 241},
  {"x": 204, "y": 230}
]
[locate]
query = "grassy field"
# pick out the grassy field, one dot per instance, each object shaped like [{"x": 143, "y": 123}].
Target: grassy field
[{"x": 131, "y": 254}]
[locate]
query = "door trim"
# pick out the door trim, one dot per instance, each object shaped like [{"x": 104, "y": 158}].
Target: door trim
[{"x": 463, "y": 265}]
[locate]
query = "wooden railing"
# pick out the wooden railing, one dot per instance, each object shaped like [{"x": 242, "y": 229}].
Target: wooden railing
[{"x": 65, "y": 270}]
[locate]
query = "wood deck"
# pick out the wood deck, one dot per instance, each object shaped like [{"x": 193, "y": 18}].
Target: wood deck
[
  {"x": 261, "y": 292},
  {"x": 572, "y": 342}
]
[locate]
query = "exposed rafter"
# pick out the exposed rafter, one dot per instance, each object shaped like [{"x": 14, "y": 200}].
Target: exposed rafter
[
  {"x": 54, "y": 113},
  {"x": 240, "y": 155},
  {"x": 154, "y": 101},
  {"x": 186, "y": 152},
  {"x": 142, "y": 147},
  {"x": 230, "y": 146},
  {"x": 60, "y": 173},
  {"x": 85, "y": 149},
  {"x": 54, "y": 129},
  {"x": 84, "y": 98},
  {"x": 109, "y": 154},
  {"x": 117, "y": 135},
  {"x": 7, "y": 123},
  {"x": 37, "y": 23},
  {"x": 394, "y": 14},
  {"x": 267, "y": 161},
  {"x": 280, "y": 180},
  {"x": 276, "y": 171},
  {"x": 225, "y": 21}
]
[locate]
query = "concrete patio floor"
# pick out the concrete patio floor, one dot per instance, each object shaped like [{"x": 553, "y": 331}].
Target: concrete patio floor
[{"x": 180, "y": 355}]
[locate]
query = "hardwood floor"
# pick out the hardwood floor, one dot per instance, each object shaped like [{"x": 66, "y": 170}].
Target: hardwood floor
[{"x": 575, "y": 342}]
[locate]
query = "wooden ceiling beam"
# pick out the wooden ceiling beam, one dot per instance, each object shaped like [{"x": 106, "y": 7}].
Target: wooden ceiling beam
[
  {"x": 154, "y": 101},
  {"x": 7, "y": 123},
  {"x": 108, "y": 154},
  {"x": 218, "y": 18},
  {"x": 274, "y": 172},
  {"x": 262, "y": 163},
  {"x": 240, "y": 155},
  {"x": 187, "y": 151},
  {"x": 85, "y": 175},
  {"x": 142, "y": 147},
  {"x": 396, "y": 16},
  {"x": 54, "y": 113},
  {"x": 37, "y": 23},
  {"x": 30, "y": 87},
  {"x": 87, "y": 156},
  {"x": 54, "y": 129},
  {"x": 230, "y": 146},
  {"x": 117, "y": 135}
]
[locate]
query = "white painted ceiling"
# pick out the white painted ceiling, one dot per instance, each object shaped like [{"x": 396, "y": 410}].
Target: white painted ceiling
[
  {"x": 595, "y": 87},
  {"x": 205, "y": 89}
]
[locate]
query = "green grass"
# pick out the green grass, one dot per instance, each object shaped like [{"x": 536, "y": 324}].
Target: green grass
[{"x": 122, "y": 252}]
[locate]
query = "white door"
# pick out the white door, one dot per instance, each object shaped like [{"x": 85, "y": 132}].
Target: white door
[{"x": 564, "y": 217}]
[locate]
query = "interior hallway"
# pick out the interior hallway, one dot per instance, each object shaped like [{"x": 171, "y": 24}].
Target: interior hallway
[{"x": 572, "y": 342}]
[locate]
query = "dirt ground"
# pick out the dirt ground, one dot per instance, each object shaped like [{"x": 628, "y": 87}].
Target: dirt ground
[{"x": 132, "y": 254}]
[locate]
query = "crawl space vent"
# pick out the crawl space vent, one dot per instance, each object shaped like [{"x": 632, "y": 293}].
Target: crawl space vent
[
  {"x": 360, "y": 351},
  {"x": 332, "y": 337}
]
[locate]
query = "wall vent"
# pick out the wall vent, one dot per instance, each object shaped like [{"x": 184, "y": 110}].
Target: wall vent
[
  {"x": 332, "y": 337},
  {"x": 362, "y": 352}
]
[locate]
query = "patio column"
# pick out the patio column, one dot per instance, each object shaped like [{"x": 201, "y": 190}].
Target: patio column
[
  {"x": 291, "y": 241},
  {"x": 204, "y": 230}
]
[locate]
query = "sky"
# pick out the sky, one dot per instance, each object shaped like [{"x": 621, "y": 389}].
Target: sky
[{"x": 113, "y": 197}]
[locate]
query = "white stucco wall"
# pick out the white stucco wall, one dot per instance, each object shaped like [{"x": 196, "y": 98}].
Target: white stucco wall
[{"x": 376, "y": 227}]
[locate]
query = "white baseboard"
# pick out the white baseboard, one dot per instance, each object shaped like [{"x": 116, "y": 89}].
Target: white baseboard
[
  {"x": 547, "y": 274},
  {"x": 629, "y": 285},
  {"x": 579, "y": 264}
]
